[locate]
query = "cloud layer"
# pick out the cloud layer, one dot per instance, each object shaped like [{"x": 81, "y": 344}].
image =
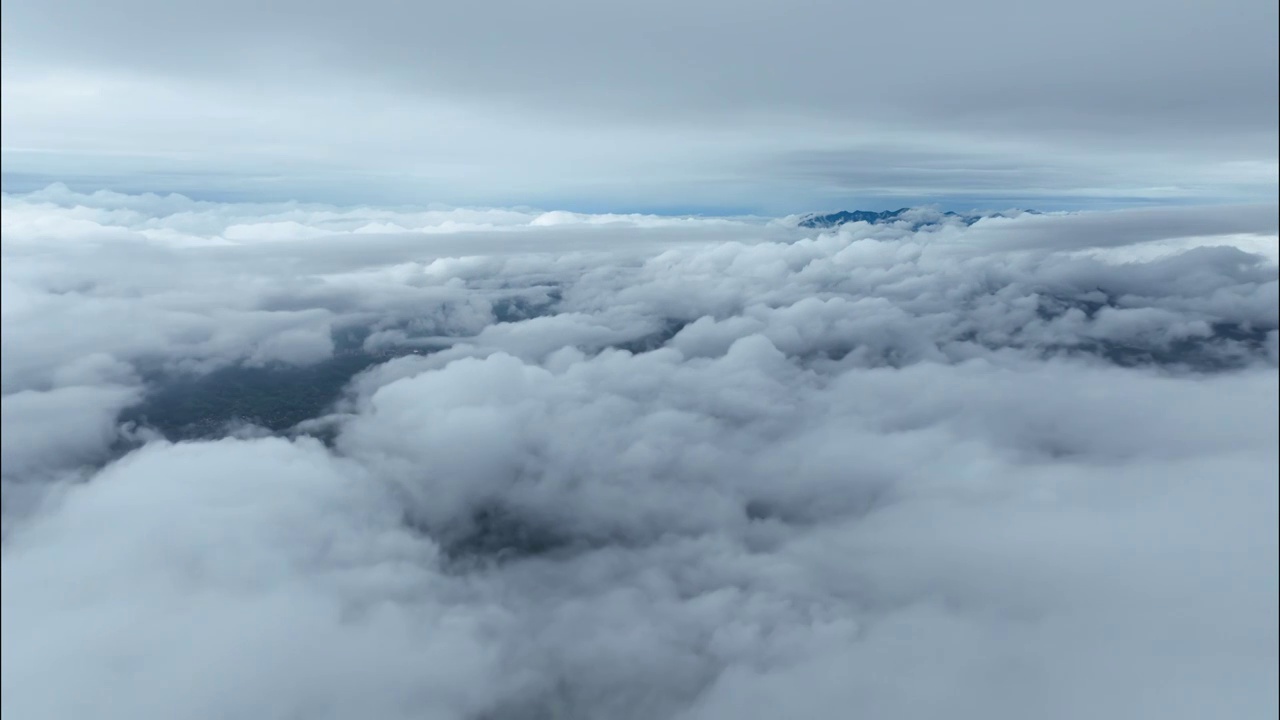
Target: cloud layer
[
  {"x": 507, "y": 464},
  {"x": 766, "y": 105}
]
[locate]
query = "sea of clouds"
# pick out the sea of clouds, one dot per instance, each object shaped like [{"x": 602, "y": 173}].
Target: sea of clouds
[{"x": 638, "y": 467}]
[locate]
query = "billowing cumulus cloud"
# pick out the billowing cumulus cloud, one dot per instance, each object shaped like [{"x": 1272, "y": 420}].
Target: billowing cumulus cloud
[{"x": 298, "y": 460}]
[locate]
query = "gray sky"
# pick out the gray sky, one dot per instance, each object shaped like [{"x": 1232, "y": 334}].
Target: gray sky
[{"x": 759, "y": 106}]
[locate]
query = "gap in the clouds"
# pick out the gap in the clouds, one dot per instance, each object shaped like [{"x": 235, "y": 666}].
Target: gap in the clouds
[
  {"x": 1228, "y": 345},
  {"x": 655, "y": 340},
  {"x": 495, "y": 533},
  {"x": 519, "y": 307},
  {"x": 1231, "y": 347},
  {"x": 277, "y": 397},
  {"x": 186, "y": 404},
  {"x": 191, "y": 404}
]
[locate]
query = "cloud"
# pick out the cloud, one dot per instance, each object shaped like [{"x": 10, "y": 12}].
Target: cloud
[
  {"x": 282, "y": 459},
  {"x": 60, "y": 428},
  {"x": 770, "y": 106},
  {"x": 1128, "y": 227},
  {"x": 586, "y": 58}
]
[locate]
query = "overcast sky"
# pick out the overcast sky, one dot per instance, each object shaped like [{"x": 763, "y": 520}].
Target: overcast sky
[{"x": 760, "y": 106}]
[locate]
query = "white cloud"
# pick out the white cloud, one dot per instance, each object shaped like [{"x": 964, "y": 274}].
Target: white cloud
[
  {"x": 712, "y": 469},
  {"x": 60, "y": 429}
]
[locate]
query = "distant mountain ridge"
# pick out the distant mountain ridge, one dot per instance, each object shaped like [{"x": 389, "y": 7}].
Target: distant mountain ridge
[{"x": 918, "y": 217}]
